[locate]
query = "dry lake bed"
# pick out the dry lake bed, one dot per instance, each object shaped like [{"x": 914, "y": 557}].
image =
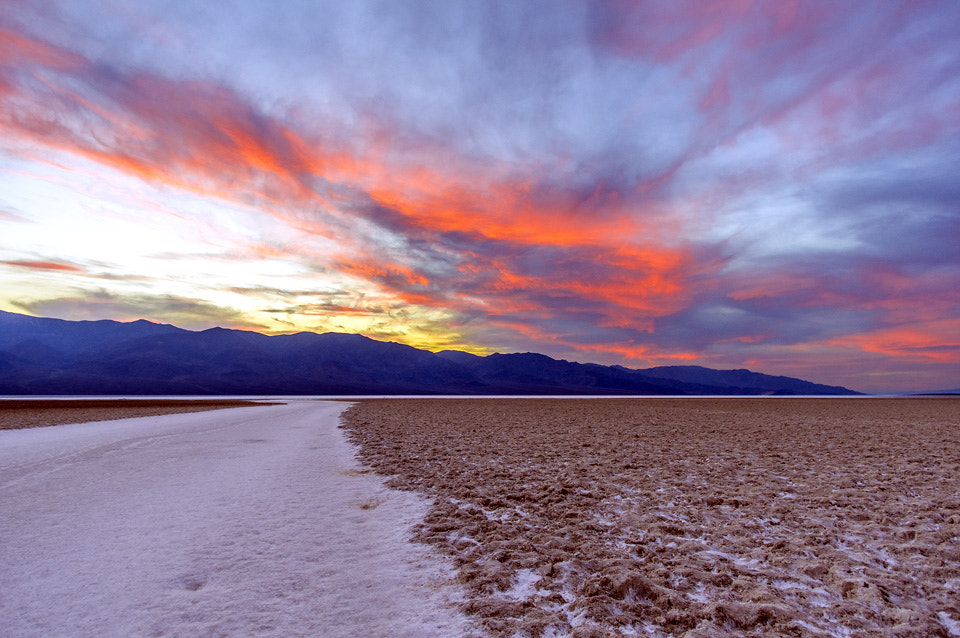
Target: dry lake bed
[
  {"x": 533, "y": 518},
  {"x": 685, "y": 517}
]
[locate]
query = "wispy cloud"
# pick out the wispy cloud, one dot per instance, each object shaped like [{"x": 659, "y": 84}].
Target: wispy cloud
[
  {"x": 58, "y": 266},
  {"x": 10, "y": 216}
]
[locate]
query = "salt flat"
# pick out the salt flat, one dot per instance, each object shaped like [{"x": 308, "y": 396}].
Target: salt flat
[
  {"x": 686, "y": 517},
  {"x": 226, "y": 523}
]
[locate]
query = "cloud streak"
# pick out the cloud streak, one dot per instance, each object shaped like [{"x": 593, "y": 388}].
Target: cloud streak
[{"x": 56, "y": 266}]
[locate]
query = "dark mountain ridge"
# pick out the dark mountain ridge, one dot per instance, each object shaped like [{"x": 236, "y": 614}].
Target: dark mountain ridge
[{"x": 53, "y": 356}]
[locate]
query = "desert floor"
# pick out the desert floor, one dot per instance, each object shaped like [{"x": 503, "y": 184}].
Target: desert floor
[
  {"x": 235, "y": 522},
  {"x": 694, "y": 517},
  {"x": 31, "y": 413}
]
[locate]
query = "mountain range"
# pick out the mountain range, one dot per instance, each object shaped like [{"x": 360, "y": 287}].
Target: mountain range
[{"x": 44, "y": 356}]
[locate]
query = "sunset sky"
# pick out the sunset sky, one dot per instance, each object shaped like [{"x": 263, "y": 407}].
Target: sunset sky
[{"x": 765, "y": 184}]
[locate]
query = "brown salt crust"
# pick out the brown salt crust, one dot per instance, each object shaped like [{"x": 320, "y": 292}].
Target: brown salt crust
[
  {"x": 31, "y": 413},
  {"x": 695, "y": 517}
]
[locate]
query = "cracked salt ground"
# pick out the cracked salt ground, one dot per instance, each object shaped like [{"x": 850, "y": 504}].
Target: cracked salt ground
[
  {"x": 691, "y": 517},
  {"x": 524, "y": 586},
  {"x": 230, "y": 523}
]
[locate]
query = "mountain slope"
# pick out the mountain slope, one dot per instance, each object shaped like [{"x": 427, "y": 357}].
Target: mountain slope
[
  {"x": 53, "y": 356},
  {"x": 741, "y": 381}
]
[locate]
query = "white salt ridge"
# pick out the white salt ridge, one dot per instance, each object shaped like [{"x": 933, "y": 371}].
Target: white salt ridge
[
  {"x": 524, "y": 586},
  {"x": 951, "y": 625},
  {"x": 251, "y": 521}
]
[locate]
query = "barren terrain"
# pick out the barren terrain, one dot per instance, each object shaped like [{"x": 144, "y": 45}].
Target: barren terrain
[
  {"x": 31, "y": 413},
  {"x": 695, "y": 517}
]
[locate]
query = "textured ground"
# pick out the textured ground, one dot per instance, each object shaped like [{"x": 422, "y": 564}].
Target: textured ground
[
  {"x": 695, "y": 517},
  {"x": 30, "y": 413}
]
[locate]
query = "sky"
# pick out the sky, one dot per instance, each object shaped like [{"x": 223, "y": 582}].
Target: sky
[{"x": 762, "y": 184}]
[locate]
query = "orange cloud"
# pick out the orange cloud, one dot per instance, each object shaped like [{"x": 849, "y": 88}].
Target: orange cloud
[
  {"x": 384, "y": 273},
  {"x": 528, "y": 330},
  {"x": 511, "y": 210},
  {"x": 55, "y": 266},
  {"x": 640, "y": 353},
  {"x": 937, "y": 341}
]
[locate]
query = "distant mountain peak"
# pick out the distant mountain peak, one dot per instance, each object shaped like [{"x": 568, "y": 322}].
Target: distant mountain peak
[{"x": 53, "y": 356}]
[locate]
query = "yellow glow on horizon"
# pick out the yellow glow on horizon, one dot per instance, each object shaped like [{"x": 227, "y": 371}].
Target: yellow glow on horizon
[{"x": 131, "y": 250}]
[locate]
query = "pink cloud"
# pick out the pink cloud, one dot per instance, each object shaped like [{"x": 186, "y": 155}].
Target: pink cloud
[{"x": 55, "y": 266}]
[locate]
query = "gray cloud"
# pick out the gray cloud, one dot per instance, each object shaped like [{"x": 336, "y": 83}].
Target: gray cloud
[{"x": 192, "y": 314}]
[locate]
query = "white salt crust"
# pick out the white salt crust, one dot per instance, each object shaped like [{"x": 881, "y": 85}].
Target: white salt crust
[{"x": 228, "y": 523}]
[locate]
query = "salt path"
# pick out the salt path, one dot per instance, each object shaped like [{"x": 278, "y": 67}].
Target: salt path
[{"x": 249, "y": 521}]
